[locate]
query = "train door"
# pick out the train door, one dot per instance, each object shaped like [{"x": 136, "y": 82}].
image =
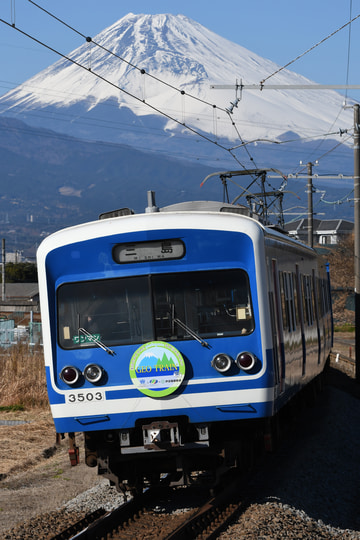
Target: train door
[{"x": 277, "y": 325}]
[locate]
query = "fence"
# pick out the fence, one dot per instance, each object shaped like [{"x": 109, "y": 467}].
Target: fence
[{"x": 11, "y": 334}]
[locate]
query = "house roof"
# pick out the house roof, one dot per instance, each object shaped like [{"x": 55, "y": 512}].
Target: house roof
[
  {"x": 21, "y": 291},
  {"x": 300, "y": 225},
  {"x": 335, "y": 225},
  {"x": 329, "y": 226}
]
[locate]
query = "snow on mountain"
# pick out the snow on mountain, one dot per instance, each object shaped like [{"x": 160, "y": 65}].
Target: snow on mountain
[{"x": 185, "y": 55}]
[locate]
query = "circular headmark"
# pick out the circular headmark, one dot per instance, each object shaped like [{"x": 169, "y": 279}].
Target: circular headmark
[{"x": 157, "y": 369}]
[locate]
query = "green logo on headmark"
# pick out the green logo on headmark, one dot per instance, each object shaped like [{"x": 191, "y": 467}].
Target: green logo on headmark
[{"x": 157, "y": 369}]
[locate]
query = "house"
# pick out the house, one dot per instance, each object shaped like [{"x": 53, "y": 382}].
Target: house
[
  {"x": 20, "y": 301},
  {"x": 330, "y": 231},
  {"x": 327, "y": 231}
]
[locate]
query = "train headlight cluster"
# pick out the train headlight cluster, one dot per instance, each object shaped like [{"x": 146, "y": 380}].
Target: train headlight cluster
[
  {"x": 72, "y": 375},
  {"x": 245, "y": 361},
  {"x": 93, "y": 373},
  {"x": 223, "y": 363}
]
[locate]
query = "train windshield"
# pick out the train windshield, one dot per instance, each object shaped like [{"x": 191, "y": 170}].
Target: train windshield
[{"x": 166, "y": 307}]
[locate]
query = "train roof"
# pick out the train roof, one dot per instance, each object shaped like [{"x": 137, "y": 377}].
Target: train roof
[
  {"x": 209, "y": 206},
  {"x": 84, "y": 231}
]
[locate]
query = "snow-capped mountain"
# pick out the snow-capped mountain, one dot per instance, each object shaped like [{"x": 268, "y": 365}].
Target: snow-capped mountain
[{"x": 156, "y": 84}]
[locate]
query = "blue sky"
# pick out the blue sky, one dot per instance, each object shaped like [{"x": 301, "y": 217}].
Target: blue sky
[{"x": 278, "y": 29}]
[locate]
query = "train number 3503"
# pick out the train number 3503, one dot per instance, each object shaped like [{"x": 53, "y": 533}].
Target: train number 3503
[{"x": 85, "y": 397}]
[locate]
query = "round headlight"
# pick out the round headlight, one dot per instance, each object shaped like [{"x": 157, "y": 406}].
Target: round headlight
[
  {"x": 221, "y": 362},
  {"x": 93, "y": 373},
  {"x": 70, "y": 375},
  {"x": 245, "y": 361}
]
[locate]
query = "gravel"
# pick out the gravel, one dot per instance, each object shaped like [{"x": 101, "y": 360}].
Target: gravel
[{"x": 101, "y": 496}]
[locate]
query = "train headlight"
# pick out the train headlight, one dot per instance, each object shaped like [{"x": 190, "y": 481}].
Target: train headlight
[
  {"x": 221, "y": 362},
  {"x": 245, "y": 361},
  {"x": 70, "y": 375},
  {"x": 93, "y": 373}
]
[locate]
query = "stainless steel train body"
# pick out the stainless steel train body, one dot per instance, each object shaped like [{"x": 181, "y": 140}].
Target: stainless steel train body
[{"x": 169, "y": 335}]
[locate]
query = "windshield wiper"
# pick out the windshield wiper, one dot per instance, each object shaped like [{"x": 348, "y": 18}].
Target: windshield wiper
[
  {"x": 96, "y": 341},
  {"x": 191, "y": 332}
]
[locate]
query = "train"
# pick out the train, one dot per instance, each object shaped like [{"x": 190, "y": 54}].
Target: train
[{"x": 173, "y": 338}]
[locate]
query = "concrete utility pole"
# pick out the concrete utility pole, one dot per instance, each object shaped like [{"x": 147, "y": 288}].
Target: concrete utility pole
[
  {"x": 3, "y": 258},
  {"x": 310, "y": 206},
  {"x": 357, "y": 238}
]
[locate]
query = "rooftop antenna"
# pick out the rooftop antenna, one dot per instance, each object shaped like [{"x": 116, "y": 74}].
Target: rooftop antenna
[{"x": 151, "y": 207}]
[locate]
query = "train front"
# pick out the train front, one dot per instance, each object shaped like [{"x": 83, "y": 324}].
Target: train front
[{"x": 155, "y": 342}]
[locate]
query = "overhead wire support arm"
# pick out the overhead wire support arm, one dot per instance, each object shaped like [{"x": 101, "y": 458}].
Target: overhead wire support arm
[{"x": 286, "y": 87}]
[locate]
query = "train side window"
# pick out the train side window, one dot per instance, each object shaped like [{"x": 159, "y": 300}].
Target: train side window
[
  {"x": 291, "y": 300},
  {"x": 296, "y": 300},
  {"x": 288, "y": 300},
  {"x": 284, "y": 305},
  {"x": 307, "y": 287}
]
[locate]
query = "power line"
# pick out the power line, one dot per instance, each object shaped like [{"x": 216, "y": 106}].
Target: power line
[{"x": 308, "y": 50}]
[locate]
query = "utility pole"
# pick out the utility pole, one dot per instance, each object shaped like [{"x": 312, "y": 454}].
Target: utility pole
[
  {"x": 310, "y": 205},
  {"x": 357, "y": 238},
  {"x": 3, "y": 258}
]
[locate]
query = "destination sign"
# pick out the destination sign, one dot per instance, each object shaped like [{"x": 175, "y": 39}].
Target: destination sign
[{"x": 148, "y": 251}]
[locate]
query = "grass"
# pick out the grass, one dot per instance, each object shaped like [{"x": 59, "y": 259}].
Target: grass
[
  {"x": 12, "y": 408},
  {"x": 345, "y": 328},
  {"x": 22, "y": 378}
]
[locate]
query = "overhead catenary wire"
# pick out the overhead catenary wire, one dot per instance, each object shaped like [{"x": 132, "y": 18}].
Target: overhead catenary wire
[{"x": 308, "y": 50}]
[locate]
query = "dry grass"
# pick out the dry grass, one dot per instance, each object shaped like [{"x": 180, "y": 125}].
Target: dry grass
[
  {"x": 22, "y": 378},
  {"x": 23, "y": 446}
]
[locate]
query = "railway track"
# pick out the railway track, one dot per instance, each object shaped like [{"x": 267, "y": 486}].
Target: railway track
[{"x": 178, "y": 514}]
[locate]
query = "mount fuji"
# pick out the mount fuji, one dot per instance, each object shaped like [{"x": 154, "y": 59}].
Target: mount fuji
[
  {"x": 145, "y": 82},
  {"x": 132, "y": 109}
]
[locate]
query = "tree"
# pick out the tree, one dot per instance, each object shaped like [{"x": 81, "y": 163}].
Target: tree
[{"x": 20, "y": 273}]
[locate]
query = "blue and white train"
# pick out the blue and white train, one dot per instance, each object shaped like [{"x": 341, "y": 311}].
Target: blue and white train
[{"x": 172, "y": 336}]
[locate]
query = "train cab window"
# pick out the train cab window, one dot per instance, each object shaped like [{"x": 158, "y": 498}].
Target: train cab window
[
  {"x": 212, "y": 304},
  {"x": 112, "y": 311},
  {"x": 157, "y": 307}
]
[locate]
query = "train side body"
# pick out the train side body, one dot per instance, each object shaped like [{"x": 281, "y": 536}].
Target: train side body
[{"x": 180, "y": 327}]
